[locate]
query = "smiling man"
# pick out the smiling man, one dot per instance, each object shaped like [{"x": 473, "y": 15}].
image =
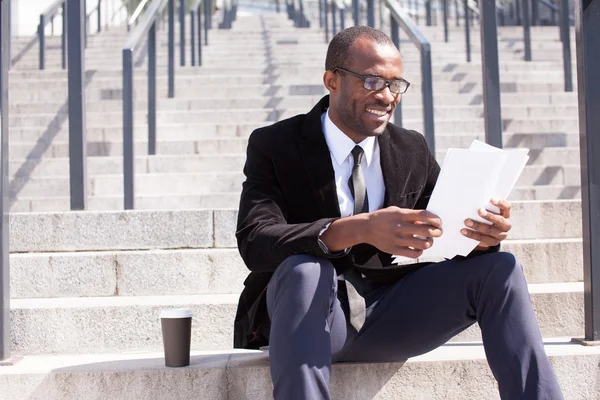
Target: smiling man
[{"x": 329, "y": 196}]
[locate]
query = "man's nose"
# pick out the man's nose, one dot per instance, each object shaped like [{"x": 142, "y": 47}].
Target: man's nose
[{"x": 385, "y": 95}]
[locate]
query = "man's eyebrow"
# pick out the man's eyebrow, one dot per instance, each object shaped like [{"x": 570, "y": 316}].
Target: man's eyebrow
[{"x": 396, "y": 78}]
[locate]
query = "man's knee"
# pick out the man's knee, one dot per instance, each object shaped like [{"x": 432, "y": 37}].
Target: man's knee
[
  {"x": 505, "y": 268},
  {"x": 304, "y": 269}
]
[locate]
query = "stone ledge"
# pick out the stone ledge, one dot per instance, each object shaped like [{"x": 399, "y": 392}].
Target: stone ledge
[
  {"x": 120, "y": 323},
  {"x": 450, "y": 372}
]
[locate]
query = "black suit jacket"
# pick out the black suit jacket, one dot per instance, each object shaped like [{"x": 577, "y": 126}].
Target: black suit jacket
[{"x": 289, "y": 195}]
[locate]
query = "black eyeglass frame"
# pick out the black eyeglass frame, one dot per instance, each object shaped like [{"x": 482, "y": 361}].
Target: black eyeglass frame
[{"x": 387, "y": 84}]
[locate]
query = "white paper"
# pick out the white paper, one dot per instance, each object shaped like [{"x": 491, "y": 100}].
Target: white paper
[{"x": 468, "y": 180}]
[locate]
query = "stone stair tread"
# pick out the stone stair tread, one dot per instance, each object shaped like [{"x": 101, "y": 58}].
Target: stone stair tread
[{"x": 449, "y": 372}]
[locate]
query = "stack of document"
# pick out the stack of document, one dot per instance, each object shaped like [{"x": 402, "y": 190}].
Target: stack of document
[{"x": 469, "y": 179}]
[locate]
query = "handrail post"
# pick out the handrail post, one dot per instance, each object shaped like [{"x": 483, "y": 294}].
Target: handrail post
[
  {"x": 428, "y": 19},
  {"x": 535, "y": 12},
  {"x": 182, "y": 32},
  {"x": 5, "y": 338},
  {"x": 342, "y": 18},
  {"x": 77, "y": 123},
  {"x": 456, "y": 13},
  {"x": 445, "y": 10},
  {"x": 128, "y": 156},
  {"x": 41, "y": 40},
  {"x": 85, "y": 24},
  {"x": 171, "y": 48},
  {"x": 320, "y": 13},
  {"x": 152, "y": 89},
  {"x": 566, "y": 44},
  {"x": 467, "y": 29},
  {"x": 491, "y": 73},
  {"x": 326, "y": 8},
  {"x": 193, "y": 37},
  {"x": 356, "y": 11},
  {"x": 199, "y": 12},
  {"x": 395, "y": 30},
  {"x": 526, "y": 29},
  {"x": 371, "y": 13},
  {"x": 63, "y": 40},
  {"x": 333, "y": 19},
  {"x": 427, "y": 93},
  {"x": 587, "y": 28},
  {"x": 206, "y": 20},
  {"x": 99, "y": 16}
]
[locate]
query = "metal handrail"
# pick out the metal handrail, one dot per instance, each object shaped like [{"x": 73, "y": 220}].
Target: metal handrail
[
  {"x": 5, "y": 326},
  {"x": 196, "y": 23},
  {"x": 399, "y": 18},
  {"x": 45, "y": 19},
  {"x": 146, "y": 28},
  {"x": 137, "y": 12},
  {"x": 98, "y": 11},
  {"x": 554, "y": 8},
  {"x": 297, "y": 14}
]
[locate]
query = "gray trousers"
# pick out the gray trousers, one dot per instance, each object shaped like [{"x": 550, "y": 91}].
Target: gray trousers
[{"x": 422, "y": 311}]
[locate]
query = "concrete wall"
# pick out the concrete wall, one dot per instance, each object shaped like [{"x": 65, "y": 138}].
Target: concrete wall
[{"x": 26, "y": 16}]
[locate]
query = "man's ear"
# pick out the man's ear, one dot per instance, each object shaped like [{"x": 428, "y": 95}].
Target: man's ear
[{"x": 330, "y": 80}]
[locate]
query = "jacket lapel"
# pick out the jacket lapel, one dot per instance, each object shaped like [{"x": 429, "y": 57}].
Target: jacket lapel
[
  {"x": 317, "y": 161},
  {"x": 391, "y": 166}
]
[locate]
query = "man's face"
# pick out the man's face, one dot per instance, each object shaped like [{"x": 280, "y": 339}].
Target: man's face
[{"x": 355, "y": 110}]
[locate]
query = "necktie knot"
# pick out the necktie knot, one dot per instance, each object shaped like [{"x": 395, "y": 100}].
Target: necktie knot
[{"x": 357, "y": 153}]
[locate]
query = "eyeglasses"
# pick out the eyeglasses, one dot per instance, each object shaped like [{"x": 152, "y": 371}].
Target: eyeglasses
[{"x": 397, "y": 86}]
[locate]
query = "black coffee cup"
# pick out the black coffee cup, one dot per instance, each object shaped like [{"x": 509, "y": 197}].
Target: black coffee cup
[{"x": 176, "y": 327}]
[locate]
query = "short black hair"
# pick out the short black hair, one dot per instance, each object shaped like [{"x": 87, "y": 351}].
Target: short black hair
[{"x": 338, "y": 52}]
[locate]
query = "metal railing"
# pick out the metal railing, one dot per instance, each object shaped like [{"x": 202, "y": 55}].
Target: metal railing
[
  {"x": 146, "y": 29},
  {"x": 4, "y": 249},
  {"x": 196, "y": 24},
  {"x": 45, "y": 18},
  {"x": 399, "y": 18},
  {"x": 230, "y": 13},
  {"x": 98, "y": 11},
  {"x": 297, "y": 14}
]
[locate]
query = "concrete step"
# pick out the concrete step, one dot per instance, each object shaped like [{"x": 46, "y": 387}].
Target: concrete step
[
  {"x": 236, "y": 143},
  {"x": 453, "y": 371},
  {"x": 216, "y": 271},
  {"x": 103, "y": 324},
  {"x": 38, "y": 115},
  {"x": 557, "y": 160},
  {"x": 207, "y": 228},
  {"x": 232, "y": 200},
  {"x": 195, "y": 183},
  {"x": 447, "y": 121}
]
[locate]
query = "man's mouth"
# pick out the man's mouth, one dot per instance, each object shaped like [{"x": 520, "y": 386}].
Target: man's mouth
[{"x": 378, "y": 113}]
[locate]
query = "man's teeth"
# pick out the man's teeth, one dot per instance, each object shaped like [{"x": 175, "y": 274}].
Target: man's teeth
[{"x": 380, "y": 113}]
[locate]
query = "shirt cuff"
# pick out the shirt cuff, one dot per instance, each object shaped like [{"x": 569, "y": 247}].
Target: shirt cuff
[{"x": 326, "y": 250}]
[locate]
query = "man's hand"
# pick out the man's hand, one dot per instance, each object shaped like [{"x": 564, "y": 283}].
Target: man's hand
[
  {"x": 490, "y": 235},
  {"x": 403, "y": 232}
]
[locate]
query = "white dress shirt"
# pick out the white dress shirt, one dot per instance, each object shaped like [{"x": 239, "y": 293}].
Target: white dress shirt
[
  {"x": 340, "y": 148},
  {"x": 342, "y": 161}
]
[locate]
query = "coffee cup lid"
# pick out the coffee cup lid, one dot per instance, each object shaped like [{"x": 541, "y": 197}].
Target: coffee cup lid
[{"x": 176, "y": 313}]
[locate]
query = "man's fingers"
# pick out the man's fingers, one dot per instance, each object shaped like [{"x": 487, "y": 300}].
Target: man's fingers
[
  {"x": 504, "y": 207},
  {"x": 484, "y": 239},
  {"x": 416, "y": 243},
  {"x": 423, "y": 216},
  {"x": 489, "y": 230},
  {"x": 499, "y": 221}
]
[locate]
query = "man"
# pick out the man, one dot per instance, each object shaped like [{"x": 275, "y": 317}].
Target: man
[{"x": 329, "y": 197}]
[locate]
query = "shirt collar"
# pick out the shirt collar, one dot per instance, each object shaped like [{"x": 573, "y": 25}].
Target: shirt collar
[{"x": 340, "y": 145}]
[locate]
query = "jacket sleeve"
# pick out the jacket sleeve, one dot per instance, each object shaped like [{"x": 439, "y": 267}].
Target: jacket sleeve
[{"x": 264, "y": 236}]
